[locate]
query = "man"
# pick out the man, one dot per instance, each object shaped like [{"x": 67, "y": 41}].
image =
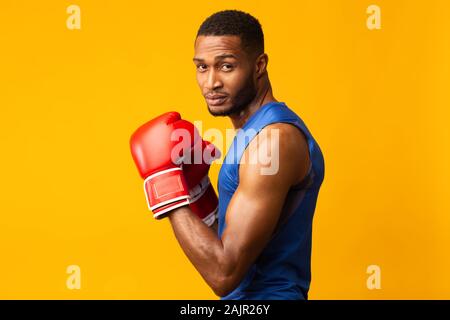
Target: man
[{"x": 260, "y": 247}]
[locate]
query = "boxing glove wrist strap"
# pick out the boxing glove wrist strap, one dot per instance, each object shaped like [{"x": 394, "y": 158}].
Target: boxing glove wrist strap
[{"x": 165, "y": 187}]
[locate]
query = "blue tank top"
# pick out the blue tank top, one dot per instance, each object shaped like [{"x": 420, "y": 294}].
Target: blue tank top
[{"x": 283, "y": 269}]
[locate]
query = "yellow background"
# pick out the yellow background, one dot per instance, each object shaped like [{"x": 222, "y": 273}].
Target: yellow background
[{"x": 376, "y": 101}]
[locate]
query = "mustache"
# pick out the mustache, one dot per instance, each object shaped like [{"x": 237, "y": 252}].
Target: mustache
[{"x": 215, "y": 93}]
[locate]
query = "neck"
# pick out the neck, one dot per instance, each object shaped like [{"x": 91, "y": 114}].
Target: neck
[{"x": 263, "y": 96}]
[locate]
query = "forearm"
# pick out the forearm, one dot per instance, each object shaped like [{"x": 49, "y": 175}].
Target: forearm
[{"x": 203, "y": 248}]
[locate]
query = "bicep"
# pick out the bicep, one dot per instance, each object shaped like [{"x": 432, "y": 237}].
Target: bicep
[
  {"x": 251, "y": 218},
  {"x": 250, "y": 221}
]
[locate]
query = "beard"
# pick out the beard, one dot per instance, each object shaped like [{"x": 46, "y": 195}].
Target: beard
[{"x": 242, "y": 99}]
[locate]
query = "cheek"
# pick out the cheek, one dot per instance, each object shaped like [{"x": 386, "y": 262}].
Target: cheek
[{"x": 236, "y": 81}]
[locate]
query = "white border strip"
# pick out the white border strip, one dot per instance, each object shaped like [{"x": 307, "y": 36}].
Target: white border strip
[{"x": 171, "y": 208}]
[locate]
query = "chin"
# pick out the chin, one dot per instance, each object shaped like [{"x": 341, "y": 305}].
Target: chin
[{"x": 218, "y": 111}]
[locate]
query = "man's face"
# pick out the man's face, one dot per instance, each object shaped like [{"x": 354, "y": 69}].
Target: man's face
[{"x": 224, "y": 73}]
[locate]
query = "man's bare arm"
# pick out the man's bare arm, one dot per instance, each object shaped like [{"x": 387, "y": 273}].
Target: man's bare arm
[{"x": 251, "y": 217}]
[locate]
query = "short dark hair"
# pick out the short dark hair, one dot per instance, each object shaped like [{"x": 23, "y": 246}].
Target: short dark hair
[{"x": 235, "y": 23}]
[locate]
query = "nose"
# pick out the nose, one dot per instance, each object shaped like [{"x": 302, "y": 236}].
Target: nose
[{"x": 212, "y": 80}]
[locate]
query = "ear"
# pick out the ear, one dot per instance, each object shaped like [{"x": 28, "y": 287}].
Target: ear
[{"x": 261, "y": 65}]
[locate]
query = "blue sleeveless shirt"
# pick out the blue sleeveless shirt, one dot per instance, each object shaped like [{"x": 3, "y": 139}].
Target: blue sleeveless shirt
[{"x": 283, "y": 269}]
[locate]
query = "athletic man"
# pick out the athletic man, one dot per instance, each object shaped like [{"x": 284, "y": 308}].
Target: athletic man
[{"x": 260, "y": 245}]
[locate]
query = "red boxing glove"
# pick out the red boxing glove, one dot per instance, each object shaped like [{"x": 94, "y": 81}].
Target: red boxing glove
[
  {"x": 203, "y": 198},
  {"x": 158, "y": 148}
]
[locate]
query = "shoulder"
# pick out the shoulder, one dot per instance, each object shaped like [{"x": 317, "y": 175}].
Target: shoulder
[
  {"x": 290, "y": 136},
  {"x": 280, "y": 149}
]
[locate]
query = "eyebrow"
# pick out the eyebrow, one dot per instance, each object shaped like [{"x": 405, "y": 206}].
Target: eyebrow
[{"x": 219, "y": 57}]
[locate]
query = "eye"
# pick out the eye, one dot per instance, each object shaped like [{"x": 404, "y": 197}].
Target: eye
[
  {"x": 201, "y": 67},
  {"x": 227, "y": 67}
]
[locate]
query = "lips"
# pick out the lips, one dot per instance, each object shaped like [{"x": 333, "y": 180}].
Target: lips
[{"x": 215, "y": 100}]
